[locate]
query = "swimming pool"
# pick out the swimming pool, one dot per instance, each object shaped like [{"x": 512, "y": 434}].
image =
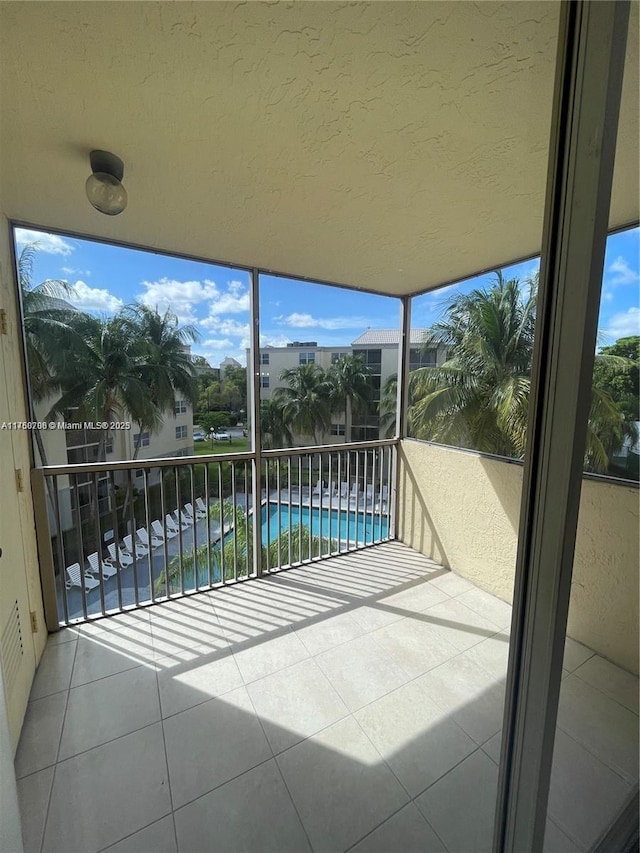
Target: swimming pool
[{"x": 356, "y": 527}]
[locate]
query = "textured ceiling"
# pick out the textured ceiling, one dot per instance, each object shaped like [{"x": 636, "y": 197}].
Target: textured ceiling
[{"x": 391, "y": 146}]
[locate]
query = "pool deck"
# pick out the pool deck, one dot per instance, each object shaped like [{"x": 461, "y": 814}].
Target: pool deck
[{"x": 144, "y": 573}]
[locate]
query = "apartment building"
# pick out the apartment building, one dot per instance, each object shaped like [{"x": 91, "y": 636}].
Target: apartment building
[{"x": 378, "y": 348}]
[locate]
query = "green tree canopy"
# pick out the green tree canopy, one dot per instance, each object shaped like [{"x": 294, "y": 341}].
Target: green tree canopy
[
  {"x": 305, "y": 399},
  {"x": 349, "y": 388},
  {"x": 479, "y": 398}
]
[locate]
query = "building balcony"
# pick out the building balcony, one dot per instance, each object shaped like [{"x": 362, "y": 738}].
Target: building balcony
[{"x": 351, "y": 704}]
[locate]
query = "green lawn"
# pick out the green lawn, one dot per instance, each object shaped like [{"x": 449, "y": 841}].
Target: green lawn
[{"x": 237, "y": 445}]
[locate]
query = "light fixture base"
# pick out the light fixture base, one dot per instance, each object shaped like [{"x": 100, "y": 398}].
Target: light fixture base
[{"x": 106, "y": 162}]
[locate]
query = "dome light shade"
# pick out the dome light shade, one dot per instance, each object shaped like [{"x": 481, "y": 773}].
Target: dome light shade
[{"x": 104, "y": 187}]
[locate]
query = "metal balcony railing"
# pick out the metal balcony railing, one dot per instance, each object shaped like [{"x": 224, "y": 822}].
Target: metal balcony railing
[{"x": 116, "y": 536}]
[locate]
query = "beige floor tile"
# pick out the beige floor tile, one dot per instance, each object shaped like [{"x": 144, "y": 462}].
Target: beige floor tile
[
  {"x": 617, "y": 683},
  {"x": 575, "y": 654},
  {"x": 341, "y": 787},
  {"x": 295, "y": 703},
  {"x": 418, "y": 741},
  {"x": 585, "y": 795},
  {"x": 415, "y": 644},
  {"x": 327, "y": 632},
  {"x": 468, "y": 694},
  {"x": 487, "y": 605},
  {"x": 160, "y": 837},
  {"x": 212, "y": 743},
  {"x": 458, "y": 624},
  {"x": 361, "y": 671},
  {"x": 33, "y": 796},
  {"x": 555, "y": 840},
  {"x": 406, "y": 831},
  {"x": 108, "y": 793},
  {"x": 109, "y": 708},
  {"x": 415, "y": 597},
  {"x": 451, "y": 583},
  {"x": 40, "y": 737},
  {"x": 601, "y": 725},
  {"x": 64, "y": 635},
  {"x": 461, "y": 806},
  {"x": 263, "y": 658},
  {"x": 184, "y": 684},
  {"x": 97, "y": 657},
  {"x": 493, "y": 746},
  {"x": 185, "y": 625},
  {"x": 375, "y": 615},
  {"x": 54, "y": 670},
  {"x": 252, "y": 813}
]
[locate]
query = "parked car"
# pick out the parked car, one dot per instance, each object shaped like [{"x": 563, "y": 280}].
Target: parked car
[
  {"x": 198, "y": 435},
  {"x": 220, "y": 436}
]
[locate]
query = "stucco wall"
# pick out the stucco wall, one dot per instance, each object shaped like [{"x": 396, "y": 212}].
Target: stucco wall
[
  {"x": 19, "y": 575},
  {"x": 462, "y": 509}
]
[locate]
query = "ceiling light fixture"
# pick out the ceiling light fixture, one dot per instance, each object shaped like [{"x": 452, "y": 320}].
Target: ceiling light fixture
[{"x": 104, "y": 187}]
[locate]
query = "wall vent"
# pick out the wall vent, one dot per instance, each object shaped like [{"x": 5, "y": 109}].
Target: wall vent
[{"x": 12, "y": 647}]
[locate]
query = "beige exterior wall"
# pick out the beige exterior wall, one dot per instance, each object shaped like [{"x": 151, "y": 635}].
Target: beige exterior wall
[
  {"x": 462, "y": 509},
  {"x": 19, "y": 574}
]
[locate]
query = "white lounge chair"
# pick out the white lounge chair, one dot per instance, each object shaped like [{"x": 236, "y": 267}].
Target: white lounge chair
[
  {"x": 143, "y": 536},
  {"x": 201, "y": 507},
  {"x": 331, "y": 490},
  {"x": 119, "y": 555},
  {"x": 163, "y": 532},
  {"x": 74, "y": 578},
  {"x": 136, "y": 548},
  {"x": 185, "y": 519},
  {"x": 173, "y": 525},
  {"x": 344, "y": 490},
  {"x": 108, "y": 569},
  {"x": 318, "y": 489},
  {"x": 199, "y": 513}
]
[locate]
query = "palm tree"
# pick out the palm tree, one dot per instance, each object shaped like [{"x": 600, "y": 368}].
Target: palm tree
[
  {"x": 164, "y": 364},
  {"x": 305, "y": 400},
  {"x": 273, "y": 426},
  {"x": 389, "y": 405},
  {"x": 46, "y": 329},
  {"x": 350, "y": 388},
  {"x": 101, "y": 375},
  {"x": 479, "y": 398},
  {"x": 235, "y": 551}
]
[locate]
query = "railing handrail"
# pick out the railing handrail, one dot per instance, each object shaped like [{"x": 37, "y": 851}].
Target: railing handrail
[{"x": 174, "y": 461}]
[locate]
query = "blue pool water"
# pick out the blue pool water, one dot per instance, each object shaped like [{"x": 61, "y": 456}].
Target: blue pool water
[{"x": 358, "y": 528}]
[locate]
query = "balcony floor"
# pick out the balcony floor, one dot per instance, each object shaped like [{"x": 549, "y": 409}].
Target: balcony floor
[{"x": 353, "y": 704}]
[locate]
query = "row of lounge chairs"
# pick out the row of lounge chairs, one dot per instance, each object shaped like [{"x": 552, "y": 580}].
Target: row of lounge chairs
[
  {"x": 357, "y": 497},
  {"x": 120, "y": 557}
]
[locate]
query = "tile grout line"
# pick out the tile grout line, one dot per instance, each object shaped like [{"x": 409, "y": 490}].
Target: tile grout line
[
  {"x": 274, "y": 758},
  {"x": 599, "y": 689},
  {"x": 166, "y": 761},
  {"x": 55, "y": 766}
]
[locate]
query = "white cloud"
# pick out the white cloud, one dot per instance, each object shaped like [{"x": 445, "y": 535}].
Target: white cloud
[
  {"x": 227, "y": 326},
  {"x": 87, "y": 298},
  {"x": 307, "y": 321},
  {"x": 72, "y": 271},
  {"x": 234, "y": 301},
  {"x": 619, "y": 272},
  {"x": 50, "y": 244},
  {"x": 217, "y": 343},
  {"x": 274, "y": 340},
  {"x": 182, "y": 297},
  {"x": 179, "y": 296},
  {"x": 622, "y": 324}
]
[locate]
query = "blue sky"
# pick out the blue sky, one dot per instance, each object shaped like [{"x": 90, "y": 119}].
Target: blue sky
[{"x": 216, "y": 299}]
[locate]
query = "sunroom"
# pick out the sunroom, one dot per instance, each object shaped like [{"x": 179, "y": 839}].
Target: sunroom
[{"x": 457, "y": 668}]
